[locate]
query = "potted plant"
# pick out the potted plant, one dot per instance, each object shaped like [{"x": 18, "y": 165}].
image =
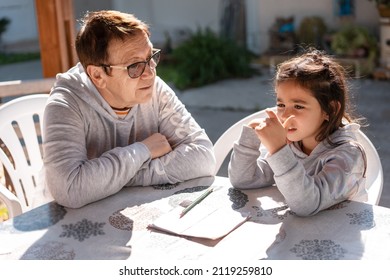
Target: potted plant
[
  {"x": 311, "y": 31},
  {"x": 356, "y": 43},
  {"x": 383, "y": 7}
]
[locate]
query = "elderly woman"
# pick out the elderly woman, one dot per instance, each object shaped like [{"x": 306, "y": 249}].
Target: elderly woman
[{"x": 111, "y": 122}]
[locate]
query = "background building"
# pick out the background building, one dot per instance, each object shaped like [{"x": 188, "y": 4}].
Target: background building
[{"x": 176, "y": 17}]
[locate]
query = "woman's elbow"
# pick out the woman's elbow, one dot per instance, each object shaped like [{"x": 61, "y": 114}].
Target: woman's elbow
[
  {"x": 67, "y": 200},
  {"x": 63, "y": 196}
]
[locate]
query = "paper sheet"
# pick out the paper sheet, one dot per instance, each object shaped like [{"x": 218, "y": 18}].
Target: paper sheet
[{"x": 202, "y": 222}]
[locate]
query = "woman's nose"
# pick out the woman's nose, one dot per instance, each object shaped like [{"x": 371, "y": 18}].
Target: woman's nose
[{"x": 148, "y": 72}]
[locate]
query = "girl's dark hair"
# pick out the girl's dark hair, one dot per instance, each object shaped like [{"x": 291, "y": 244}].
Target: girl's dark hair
[
  {"x": 327, "y": 80},
  {"x": 99, "y": 28}
]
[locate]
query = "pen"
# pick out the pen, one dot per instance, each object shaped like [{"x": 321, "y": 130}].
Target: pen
[{"x": 196, "y": 201}]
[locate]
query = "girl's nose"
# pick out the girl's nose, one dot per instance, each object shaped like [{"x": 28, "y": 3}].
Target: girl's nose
[{"x": 285, "y": 114}]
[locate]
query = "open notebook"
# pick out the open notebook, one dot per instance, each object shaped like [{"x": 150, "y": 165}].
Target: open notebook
[{"x": 203, "y": 221}]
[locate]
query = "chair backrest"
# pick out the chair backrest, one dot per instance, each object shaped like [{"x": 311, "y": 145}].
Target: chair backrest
[
  {"x": 224, "y": 144},
  {"x": 21, "y": 138},
  {"x": 374, "y": 173}
]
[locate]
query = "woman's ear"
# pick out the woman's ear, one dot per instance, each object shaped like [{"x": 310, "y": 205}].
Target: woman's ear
[{"x": 97, "y": 75}]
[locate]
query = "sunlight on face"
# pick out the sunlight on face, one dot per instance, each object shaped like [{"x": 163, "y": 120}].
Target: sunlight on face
[
  {"x": 295, "y": 100},
  {"x": 121, "y": 90}
]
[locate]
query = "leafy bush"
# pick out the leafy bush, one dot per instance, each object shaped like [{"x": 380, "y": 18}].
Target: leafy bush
[
  {"x": 8, "y": 58},
  {"x": 311, "y": 31},
  {"x": 354, "y": 41},
  {"x": 206, "y": 58}
]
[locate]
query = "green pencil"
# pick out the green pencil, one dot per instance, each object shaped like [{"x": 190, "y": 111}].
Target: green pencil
[{"x": 196, "y": 201}]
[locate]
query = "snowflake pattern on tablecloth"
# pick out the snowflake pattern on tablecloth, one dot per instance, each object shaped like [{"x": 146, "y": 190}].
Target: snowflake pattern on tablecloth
[
  {"x": 364, "y": 218},
  {"x": 120, "y": 221},
  {"x": 133, "y": 218},
  {"x": 49, "y": 251},
  {"x": 318, "y": 250},
  {"x": 238, "y": 198},
  {"x": 165, "y": 186},
  {"x": 82, "y": 230},
  {"x": 40, "y": 218},
  {"x": 279, "y": 213}
]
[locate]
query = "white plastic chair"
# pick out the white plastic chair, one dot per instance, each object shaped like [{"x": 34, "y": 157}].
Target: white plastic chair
[
  {"x": 374, "y": 172},
  {"x": 20, "y": 129},
  {"x": 224, "y": 144}
]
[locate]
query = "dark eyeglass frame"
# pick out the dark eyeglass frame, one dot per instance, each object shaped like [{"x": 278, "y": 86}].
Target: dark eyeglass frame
[{"x": 155, "y": 57}]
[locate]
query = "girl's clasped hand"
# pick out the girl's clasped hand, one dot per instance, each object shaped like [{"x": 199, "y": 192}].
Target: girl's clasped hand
[{"x": 272, "y": 131}]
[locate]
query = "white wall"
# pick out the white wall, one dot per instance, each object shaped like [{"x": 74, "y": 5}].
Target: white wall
[
  {"x": 82, "y": 6},
  {"x": 263, "y": 13},
  {"x": 171, "y": 15},
  {"x": 23, "y": 26},
  {"x": 174, "y": 15}
]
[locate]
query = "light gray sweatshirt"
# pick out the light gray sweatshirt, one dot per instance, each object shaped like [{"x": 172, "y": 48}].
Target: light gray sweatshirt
[
  {"x": 309, "y": 183},
  {"x": 89, "y": 153}
]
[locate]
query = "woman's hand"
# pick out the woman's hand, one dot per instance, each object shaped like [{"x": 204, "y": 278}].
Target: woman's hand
[{"x": 158, "y": 145}]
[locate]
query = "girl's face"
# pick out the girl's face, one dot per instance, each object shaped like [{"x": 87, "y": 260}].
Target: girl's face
[{"x": 294, "y": 100}]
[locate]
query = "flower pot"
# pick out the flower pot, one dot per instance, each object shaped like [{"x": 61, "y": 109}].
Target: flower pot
[{"x": 384, "y": 11}]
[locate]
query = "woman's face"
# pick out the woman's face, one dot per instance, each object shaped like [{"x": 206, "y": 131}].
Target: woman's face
[
  {"x": 294, "y": 100},
  {"x": 120, "y": 90}
]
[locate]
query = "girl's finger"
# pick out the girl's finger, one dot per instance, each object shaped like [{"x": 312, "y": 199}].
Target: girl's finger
[
  {"x": 271, "y": 114},
  {"x": 288, "y": 121}
]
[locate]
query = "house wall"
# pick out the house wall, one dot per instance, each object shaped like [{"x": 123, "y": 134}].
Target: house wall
[
  {"x": 173, "y": 16},
  {"x": 23, "y": 26},
  {"x": 262, "y": 15},
  {"x": 177, "y": 16},
  {"x": 82, "y": 6}
]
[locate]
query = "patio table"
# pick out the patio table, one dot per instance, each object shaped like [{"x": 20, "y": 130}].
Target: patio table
[{"x": 116, "y": 228}]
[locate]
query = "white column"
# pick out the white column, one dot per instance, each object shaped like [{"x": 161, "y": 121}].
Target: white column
[{"x": 385, "y": 41}]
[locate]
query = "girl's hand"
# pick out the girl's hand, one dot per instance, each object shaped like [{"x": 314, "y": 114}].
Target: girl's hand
[
  {"x": 255, "y": 122},
  {"x": 272, "y": 132}
]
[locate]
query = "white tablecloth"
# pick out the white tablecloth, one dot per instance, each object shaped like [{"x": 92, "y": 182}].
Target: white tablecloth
[{"x": 116, "y": 228}]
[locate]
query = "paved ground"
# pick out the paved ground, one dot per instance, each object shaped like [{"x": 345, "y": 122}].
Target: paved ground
[{"x": 218, "y": 106}]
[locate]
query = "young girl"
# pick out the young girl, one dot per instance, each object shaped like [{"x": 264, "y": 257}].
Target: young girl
[{"x": 313, "y": 156}]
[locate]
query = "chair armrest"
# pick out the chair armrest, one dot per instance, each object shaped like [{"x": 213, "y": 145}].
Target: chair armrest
[{"x": 11, "y": 202}]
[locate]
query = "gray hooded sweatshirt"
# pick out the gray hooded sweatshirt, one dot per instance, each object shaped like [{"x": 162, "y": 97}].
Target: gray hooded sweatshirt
[
  {"x": 309, "y": 183},
  {"x": 89, "y": 153}
]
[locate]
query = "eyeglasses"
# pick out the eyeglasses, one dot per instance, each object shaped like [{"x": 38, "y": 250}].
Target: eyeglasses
[{"x": 137, "y": 69}]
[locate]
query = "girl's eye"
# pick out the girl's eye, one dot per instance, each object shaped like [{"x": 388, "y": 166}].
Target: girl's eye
[
  {"x": 280, "y": 105},
  {"x": 298, "y": 107}
]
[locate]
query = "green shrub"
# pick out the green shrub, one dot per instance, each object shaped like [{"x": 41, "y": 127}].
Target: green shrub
[
  {"x": 206, "y": 58},
  {"x": 311, "y": 31},
  {"x": 354, "y": 41},
  {"x": 8, "y": 58}
]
